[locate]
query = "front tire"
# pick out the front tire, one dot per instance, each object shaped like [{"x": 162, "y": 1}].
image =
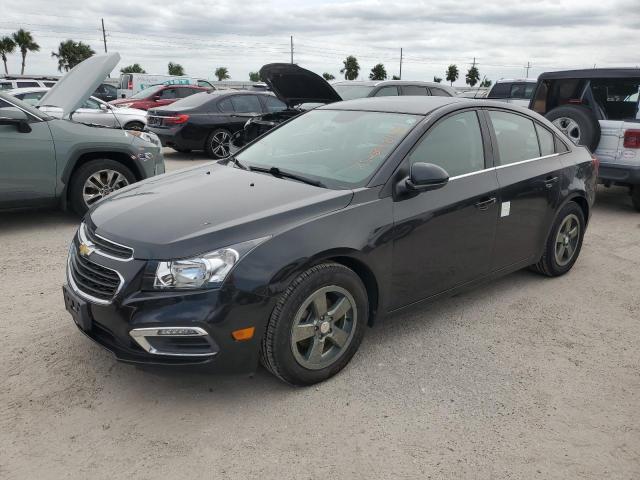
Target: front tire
[
  {"x": 95, "y": 180},
  {"x": 218, "y": 144},
  {"x": 317, "y": 325},
  {"x": 564, "y": 242}
]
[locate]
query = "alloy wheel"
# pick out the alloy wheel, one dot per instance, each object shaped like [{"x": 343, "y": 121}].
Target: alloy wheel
[
  {"x": 323, "y": 327},
  {"x": 567, "y": 240},
  {"x": 220, "y": 144},
  {"x": 102, "y": 183},
  {"x": 569, "y": 127}
]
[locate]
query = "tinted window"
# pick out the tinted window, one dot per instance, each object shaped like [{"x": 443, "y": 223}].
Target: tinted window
[
  {"x": 27, "y": 84},
  {"x": 454, "y": 143},
  {"x": 225, "y": 105},
  {"x": 522, "y": 90},
  {"x": 110, "y": 90},
  {"x": 500, "y": 90},
  {"x": 204, "y": 83},
  {"x": 438, "y": 92},
  {"x": 246, "y": 104},
  {"x": 545, "y": 137},
  {"x": 273, "y": 104},
  {"x": 349, "y": 92},
  {"x": 186, "y": 92},
  {"x": 389, "y": 91},
  {"x": 516, "y": 136},
  {"x": 5, "y": 86},
  {"x": 414, "y": 90},
  {"x": 90, "y": 103},
  {"x": 168, "y": 93},
  {"x": 51, "y": 84}
]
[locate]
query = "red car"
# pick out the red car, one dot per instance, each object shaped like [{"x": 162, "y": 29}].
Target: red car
[{"x": 158, "y": 95}]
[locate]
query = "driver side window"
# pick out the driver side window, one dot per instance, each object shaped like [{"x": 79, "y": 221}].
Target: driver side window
[{"x": 454, "y": 144}]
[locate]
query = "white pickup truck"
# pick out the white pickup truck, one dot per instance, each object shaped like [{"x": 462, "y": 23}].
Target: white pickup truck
[{"x": 598, "y": 108}]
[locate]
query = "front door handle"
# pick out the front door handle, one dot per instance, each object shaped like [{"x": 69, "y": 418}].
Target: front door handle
[
  {"x": 550, "y": 181},
  {"x": 485, "y": 204}
]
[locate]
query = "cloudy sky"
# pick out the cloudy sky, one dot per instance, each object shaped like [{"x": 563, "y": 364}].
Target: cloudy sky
[{"x": 243, "y": 35}]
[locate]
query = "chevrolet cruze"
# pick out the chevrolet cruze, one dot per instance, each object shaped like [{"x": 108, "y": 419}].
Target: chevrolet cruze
[{"x": 287, "y": 251}]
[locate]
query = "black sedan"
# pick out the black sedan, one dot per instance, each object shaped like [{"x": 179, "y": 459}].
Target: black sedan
[
  {"x": 206, "y": 121},
  {"x": 350, "y": 212}
]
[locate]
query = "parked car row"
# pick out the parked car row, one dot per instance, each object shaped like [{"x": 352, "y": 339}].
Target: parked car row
[{"x": 104, "y": 91}]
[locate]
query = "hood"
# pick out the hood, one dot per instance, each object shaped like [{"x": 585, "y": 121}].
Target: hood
[
  {"x": 130, "y": 111},
  {"x": 200, "y": 209},
  {"x": 295, "y": 85},
  {"x": 79, "y": 83}
]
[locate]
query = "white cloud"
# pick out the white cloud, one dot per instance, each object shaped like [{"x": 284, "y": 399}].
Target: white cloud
[{"x": 202, "y": 35}]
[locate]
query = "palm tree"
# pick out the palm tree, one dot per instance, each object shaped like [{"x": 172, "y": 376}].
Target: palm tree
[
  {"x": 135, "y": 68},
  {"x": 452, "y": 73},
  {"x": 7, "y": 46},
  {"x": 175, "y": 69},
  {"x": 254, "y": 76},
  {"x": 222, "y": 73},
  {"x": 25, "y": 43},
  {"x": 473, "y": 76},
  {"x": 71, "y": 53},
  {"x": 378, "y": 72},
  {"x": 351, "y": 68}
]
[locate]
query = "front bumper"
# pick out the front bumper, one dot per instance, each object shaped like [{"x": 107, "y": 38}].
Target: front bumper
[
  {"x": 216, "y": 313},
  {"x": 622, "y": 174}
]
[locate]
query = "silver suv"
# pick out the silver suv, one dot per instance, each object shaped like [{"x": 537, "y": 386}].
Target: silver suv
[
  {"x": 48, "y": 160},
  {"x": 598, "y": 108}
]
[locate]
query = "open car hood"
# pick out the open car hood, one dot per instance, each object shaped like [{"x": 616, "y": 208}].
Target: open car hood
[
  {"x": 79, "y": 83},
  {"x": 295, "y": 85}
]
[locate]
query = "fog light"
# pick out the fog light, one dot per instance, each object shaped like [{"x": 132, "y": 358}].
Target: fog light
[
  {"x": 243, "y": 334},
  {"x": 177, "y": 331}
]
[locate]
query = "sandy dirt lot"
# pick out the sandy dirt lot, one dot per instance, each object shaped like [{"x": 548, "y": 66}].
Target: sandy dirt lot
[{"x": 525, "y": 378}]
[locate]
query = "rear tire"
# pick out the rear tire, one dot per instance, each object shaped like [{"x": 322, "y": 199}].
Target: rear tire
[
  {"x": 95, "y": 180},
  {"x": 317, "y": 325},
  {"x": 564, "y": 243},
  {"x": 635, "y": 197},
  {"x": 578, "y": 123},
  {"x": 218, "y": 144}
]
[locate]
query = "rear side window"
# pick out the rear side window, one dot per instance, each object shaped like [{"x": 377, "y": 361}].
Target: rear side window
[
  {"x": 225, "y": 106},
  {"x": 5, "y": 86},
  {"x": 168, "y": 93},
  {"x": 438, "y": 92},
  {"x": 545, "y": 137},
  {"x": 389, "y": 91},
  {"x": 31, "y": 98},
  {"x": 500, "y": 90},
  {"x": 522, "y": 90},
  {"x": 273, "y": 104},
  {"x": 27, "y": 84},
  {"x": 516, "y": 137},
  {"x": 246, "y": 104},
  {"x": 414, "y": 90},
  {"x": 454, "y": 144},
  {"x": 186, "y": 92}
]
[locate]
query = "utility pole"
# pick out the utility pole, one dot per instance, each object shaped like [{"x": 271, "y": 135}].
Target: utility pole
[
  {"x": 400, "y": 64},
  {"x": 104, "y": 36},
  {"x": 291, "y": 48},
  {"x": 528, "y": 67}
]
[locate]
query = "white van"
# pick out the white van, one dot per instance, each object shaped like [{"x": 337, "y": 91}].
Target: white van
[
  {"x": 11, "y": 82},
  {"x": 132, "y": 83}
]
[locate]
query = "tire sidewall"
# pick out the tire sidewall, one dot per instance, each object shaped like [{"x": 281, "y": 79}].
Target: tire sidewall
[
  {"x": 288, "y": 368},
  {"x": 554, "y": 267},
  {"x": 80, "y": 176},
  {"x": 589, "y": 125},
  {"x": 207, "y": 147}
]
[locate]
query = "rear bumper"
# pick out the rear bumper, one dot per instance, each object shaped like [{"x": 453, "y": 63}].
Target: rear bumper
[
  {"x": 174, "y": 138},
  {"x": 622, "y": 174}
]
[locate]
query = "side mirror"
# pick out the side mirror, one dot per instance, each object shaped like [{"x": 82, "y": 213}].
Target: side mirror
[
  {"x": 16, "y": 118},
  {"x": 426, "y": 176},
  {"x": 103, "y": 107},
  {"x": 156, "y": 97}
]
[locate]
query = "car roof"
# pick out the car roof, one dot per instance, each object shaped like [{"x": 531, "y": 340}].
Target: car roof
[
  {"x": 14, "y": 91},
  {"x": 375, "y": 83},
  {"x": 592, "y": 73},
  {"x": 521, "y": 80}
]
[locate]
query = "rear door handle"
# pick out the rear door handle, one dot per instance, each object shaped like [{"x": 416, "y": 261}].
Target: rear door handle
[{"x": 485, "y": 204}]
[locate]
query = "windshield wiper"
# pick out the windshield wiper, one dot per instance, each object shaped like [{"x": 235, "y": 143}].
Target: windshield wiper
[
  {"x": 237, "y": 162},
  {"x": 276, "y": 172}
]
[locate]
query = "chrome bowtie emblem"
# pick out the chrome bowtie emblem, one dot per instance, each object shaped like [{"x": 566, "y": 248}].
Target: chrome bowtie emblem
[{"x": 85, "y": 249}]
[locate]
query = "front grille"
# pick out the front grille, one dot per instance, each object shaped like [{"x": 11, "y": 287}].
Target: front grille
[
  {"x": 107, "y": 247},
  {"x": 92, "y": 279}
]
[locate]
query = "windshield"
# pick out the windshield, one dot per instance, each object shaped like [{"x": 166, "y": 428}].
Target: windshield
[
  {"x": 349, "y": 92},
  {"x": 147, "y": 92},
  {"x": 339, "y": 148}
]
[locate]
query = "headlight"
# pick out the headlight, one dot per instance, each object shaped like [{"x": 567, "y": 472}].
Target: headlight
[
  {"x": 146, "y": 136},
  {"x": 205, "y": 271}
]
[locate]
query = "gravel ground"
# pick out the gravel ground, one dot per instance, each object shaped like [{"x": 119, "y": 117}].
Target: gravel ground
[{"x": 525, "y": 378}]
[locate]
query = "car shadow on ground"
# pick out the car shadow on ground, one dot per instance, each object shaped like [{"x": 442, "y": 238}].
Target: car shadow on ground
[{"x": 25, "y": 220}]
